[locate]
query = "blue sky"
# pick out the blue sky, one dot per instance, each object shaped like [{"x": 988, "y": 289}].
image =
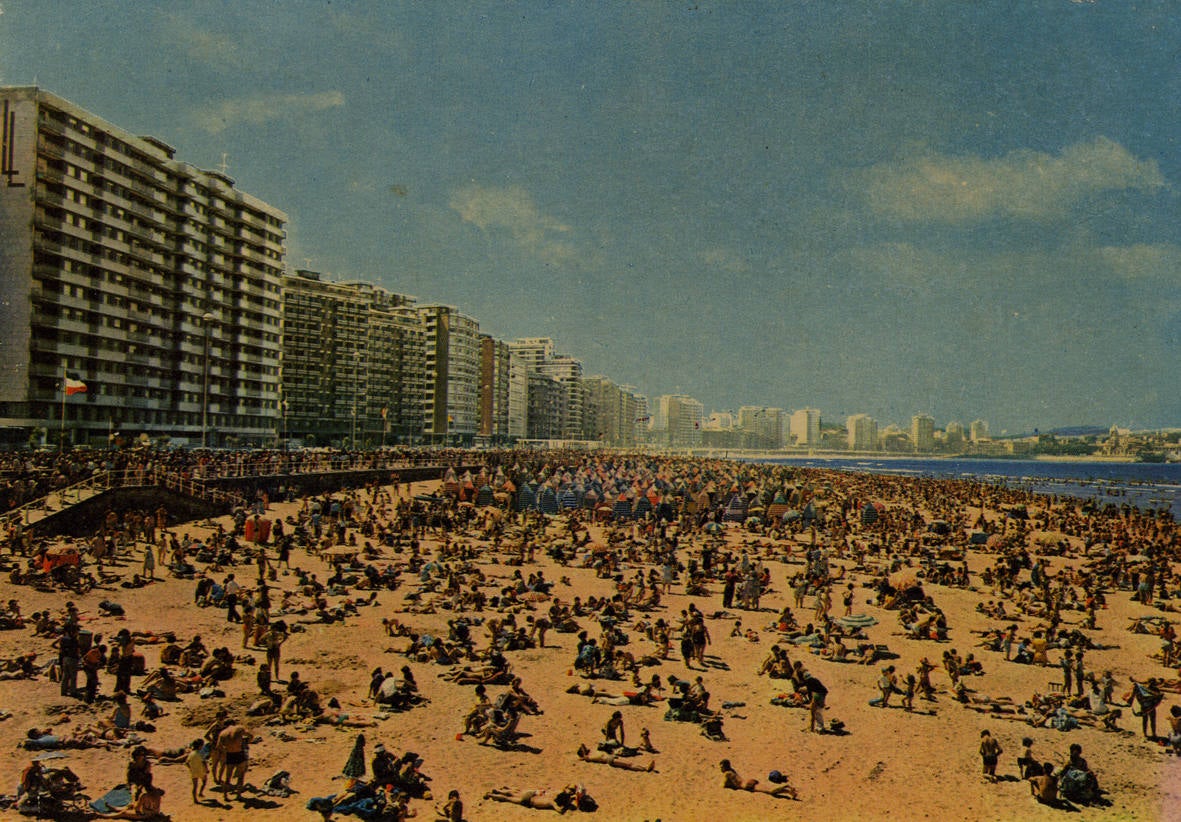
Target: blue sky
[{"x": 968, "y": 210}]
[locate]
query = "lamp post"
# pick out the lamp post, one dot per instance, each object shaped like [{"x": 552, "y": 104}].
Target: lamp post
[{"x": 206, "y": 319}]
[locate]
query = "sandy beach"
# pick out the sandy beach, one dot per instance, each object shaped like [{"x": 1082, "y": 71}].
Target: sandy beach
[{"x": 887, "y": 763}]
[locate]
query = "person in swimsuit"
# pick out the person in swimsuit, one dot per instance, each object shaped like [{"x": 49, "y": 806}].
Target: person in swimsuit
[
  {"x": 600, "y": 758},
  {"x": 564, "y": 800}
]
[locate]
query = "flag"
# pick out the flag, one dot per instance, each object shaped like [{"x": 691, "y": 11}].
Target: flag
[
  {"x": 385, "y": 410},
  {"x": 74, "y": 387}
]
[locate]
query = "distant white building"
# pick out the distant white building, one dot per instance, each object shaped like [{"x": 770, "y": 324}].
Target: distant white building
[
  {"x": 682, "y": 417},
  {"x": 863, "y": 432},
  {"x": 805, "y": 426},
  {"x": 922, "y": 432},
  {"x": 978, "y": 431},
  {"x": 953, "y": 434}
]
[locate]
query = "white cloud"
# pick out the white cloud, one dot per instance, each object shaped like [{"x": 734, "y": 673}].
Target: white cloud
[
  {"x": 512, "y": 209},
  {"x": 262, "y": 109},
  {"x": 1022, "y": 184}
]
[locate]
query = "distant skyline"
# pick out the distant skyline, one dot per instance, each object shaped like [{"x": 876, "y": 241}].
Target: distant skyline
[{"x": 964, "y": 210}]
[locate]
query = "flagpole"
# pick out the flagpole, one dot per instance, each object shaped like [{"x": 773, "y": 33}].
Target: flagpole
[{"x": 61, "y": 445}]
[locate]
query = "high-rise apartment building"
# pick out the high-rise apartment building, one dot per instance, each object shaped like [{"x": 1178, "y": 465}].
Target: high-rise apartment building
[
  {"x": 922, "y": 432},
  {"x": 353, "y": 363},
  {"x": 151, "y": 281},
  {"x": 518, "y": 396},
  {"x": 452, "y": 396},
  {"x": 761, "y": 426},
  {"x": 978, "y": 431},
  {"x": 610, "y": 412},
  {"x": 954, "y": 434},
  {"x": 805, "y": 426},
  {"x": 532, "y": 351},
  {"x": 863, "y": 432},
  {"x": 547, "y": 407},
  {"x": 682, "y": 416},
  {"x": 494, "y": 389},
  {"x": 568, "y": 372}
]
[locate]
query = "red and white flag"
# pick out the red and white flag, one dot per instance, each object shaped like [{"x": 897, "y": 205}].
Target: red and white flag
[{"x": 74, "y": 387}]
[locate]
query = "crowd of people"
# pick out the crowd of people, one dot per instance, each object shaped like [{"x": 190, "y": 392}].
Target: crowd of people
[{"x": 490, "y": 547}]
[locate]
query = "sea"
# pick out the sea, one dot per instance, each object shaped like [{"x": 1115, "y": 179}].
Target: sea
[{"x": 1146, "y": 486}]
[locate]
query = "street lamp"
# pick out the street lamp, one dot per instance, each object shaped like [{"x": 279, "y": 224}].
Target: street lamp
[{"x": 207, "y": 320}]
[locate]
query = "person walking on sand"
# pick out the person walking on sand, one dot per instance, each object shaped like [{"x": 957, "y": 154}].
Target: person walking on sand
[
  {"x": 990, "y": 752},
  {"x": 887, "y": 685},
  {"x": 273, "y": 641}
]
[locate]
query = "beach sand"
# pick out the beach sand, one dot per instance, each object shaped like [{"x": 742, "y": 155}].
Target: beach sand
[{"x": 889, "y": 764}]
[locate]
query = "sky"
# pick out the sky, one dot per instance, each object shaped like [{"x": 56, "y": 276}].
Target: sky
[{"x": 964, "y": 210}]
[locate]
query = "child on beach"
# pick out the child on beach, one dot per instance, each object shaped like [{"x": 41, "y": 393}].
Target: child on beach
[
  {"x": 198, "y": 769},
  {"x": 908, "y": 694},
  {"x": 1026, "y": 764}
]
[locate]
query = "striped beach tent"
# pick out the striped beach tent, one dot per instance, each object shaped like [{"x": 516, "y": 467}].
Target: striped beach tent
[
  {"x": 869, "y": 514},
  {"x": 622, "y": 509},
  {"x": 526, "y": 499},
  {"x": 547, "y": 501},
  {"x": 484, "y": 496},
  {"x": 778, "y": 507},
  {"x": 736, "y": 510}
]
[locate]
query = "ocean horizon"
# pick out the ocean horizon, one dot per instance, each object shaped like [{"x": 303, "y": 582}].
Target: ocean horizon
[{"x": 1144, "y": 485}]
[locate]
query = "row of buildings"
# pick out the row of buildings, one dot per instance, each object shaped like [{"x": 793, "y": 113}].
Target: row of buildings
[{"x": 164, "y": 289}]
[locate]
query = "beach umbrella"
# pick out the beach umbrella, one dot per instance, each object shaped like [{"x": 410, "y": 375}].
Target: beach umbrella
[
  {"x": 978, "y": 538},
  {"x": 791, "y": 515},
  {"x": 855, "y": 621},
  {"x": 753, "y": 522},
  {"x": 713, "y": 528}
]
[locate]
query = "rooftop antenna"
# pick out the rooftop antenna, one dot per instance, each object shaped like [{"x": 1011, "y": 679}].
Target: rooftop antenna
[{"x": 224, "y": 166}]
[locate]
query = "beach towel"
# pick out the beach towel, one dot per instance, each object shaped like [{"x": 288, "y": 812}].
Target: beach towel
[{"x": 116, "y": 799}]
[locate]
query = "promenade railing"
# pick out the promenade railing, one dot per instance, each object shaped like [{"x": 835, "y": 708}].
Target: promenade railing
[{"x": 194, "y": 481}]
